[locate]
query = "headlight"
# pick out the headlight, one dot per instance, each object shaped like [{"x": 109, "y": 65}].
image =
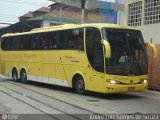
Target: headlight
[
  {"x": 112, "y": 82},
  {"x": 143, "y": 81}
]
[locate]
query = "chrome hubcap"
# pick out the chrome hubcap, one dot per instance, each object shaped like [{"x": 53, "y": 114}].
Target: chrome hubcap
[
  {"x": 80, "y": 85},
  {"x": 15, "y": 76},
  {"x": 23, "y": 76}
]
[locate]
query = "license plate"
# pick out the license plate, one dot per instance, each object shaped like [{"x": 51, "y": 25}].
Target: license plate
[{"x": 131, "y": 89}]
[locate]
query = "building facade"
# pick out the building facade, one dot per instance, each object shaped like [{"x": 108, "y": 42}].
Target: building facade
[
  {"x": 145, "y": 14},
  {"x": 58, "y": 13}
]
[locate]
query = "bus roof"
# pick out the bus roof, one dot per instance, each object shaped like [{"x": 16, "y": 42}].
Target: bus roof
[{"x": 70, "y": 26}]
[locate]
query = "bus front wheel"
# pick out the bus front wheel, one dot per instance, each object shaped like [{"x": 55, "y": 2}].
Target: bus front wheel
[
  {"x": 80, "y": 85},
  {"x": 23, "y": 76}
]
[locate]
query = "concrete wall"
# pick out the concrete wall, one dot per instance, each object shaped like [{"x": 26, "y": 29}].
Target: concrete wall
[
  {"x": 151, "y": 32},
  {"x": 48, "y": 23},
  {"x": 122, "y": 14}
]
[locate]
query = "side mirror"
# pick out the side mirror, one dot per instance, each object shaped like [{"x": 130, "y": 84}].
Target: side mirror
[
  {"x": 155, "y": 51},
  {"x": 107, "y": 48}
]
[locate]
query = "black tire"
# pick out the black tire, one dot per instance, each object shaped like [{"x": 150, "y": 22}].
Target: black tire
[
  {"x": 15, "y": 74},
  {"x": 23, "y": 76},
  {"x": 80, "y": 85}
]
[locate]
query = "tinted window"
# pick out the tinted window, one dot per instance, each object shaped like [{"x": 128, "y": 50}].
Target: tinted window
[
  {"x": 94, "y": 49},
  {"x": 78, "y": 38},
  {"x": 37, "y": 41},
  {"x": 66, "y": 39},
  {"x": 10, "y": 43},
  {"x": 4, "y": 44},
  {"x": 128, "y": 52},
  {"x": 26, "y": 42}
]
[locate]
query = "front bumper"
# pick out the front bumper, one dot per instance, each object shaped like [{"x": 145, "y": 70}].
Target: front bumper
[{"x": 118, "y": 88}]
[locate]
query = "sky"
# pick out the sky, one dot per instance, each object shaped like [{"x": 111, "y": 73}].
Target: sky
[{"x": 10, "y": 10}]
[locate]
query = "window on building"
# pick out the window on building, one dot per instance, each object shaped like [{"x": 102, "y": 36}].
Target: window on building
[
  {"x": 135, "y": 14},
  {"x": 152, "y": 12}
]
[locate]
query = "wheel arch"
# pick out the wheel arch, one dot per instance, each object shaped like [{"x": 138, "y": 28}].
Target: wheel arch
[{"x": 74, "y": 76}]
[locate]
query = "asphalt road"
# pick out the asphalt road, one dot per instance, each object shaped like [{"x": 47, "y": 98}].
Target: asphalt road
[{"x": 56, "y": 102}]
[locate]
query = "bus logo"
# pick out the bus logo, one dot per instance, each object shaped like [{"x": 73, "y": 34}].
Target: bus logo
[{"x": 131, "y": 81}]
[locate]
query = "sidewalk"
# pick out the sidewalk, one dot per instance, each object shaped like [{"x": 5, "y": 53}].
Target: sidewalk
[
  {"x": 4, "y": 77},
  {"x": 151, "y": 91}
]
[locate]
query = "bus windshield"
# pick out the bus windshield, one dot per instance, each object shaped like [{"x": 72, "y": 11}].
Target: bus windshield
[{"x": 128, "y": 52}]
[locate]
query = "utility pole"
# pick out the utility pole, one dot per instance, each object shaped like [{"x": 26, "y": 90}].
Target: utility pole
[{"x": 83, "y": 2}]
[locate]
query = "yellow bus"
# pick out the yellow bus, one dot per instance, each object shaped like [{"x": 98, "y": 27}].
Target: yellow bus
[{"x": 105, "y": 58}]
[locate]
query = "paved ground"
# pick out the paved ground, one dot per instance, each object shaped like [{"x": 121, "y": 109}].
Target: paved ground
[{"x": 37, "y": 98}]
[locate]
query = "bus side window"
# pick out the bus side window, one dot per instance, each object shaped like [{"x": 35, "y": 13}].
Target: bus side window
[
  {"x": 62, "y": 42},
  {"x": 94, "y": 49},
  {"x": 5, "y": 43},
  {"x": 68, "y": 39},
  {"x": 59, "y": 39},
  {"x": 56, "y": 40},
  {"x": 78, "y": 35},
  {"x": 37, "y": 41},
  {"x": 47, "y": 41},
  {"x": 22, "y": 42},
  {"x": 15, "y": 42},
  {"x": 27, "y": 42}
]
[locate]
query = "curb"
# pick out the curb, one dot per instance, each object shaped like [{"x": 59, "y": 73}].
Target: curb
[
  {"x": 4, "y": 77},
  {"x": 153, "y": 92}
]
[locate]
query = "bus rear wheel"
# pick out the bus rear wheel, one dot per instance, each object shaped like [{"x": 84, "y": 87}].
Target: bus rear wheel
[
  {"x": 23, "y": 76},
  {"x": 80, "y": 85},
  {"x": 15, "y": 74}
]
